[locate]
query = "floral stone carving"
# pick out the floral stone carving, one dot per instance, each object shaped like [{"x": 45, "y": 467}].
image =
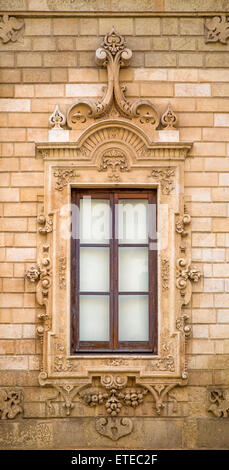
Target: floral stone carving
[
  {"x": 115, "y": 161},
  {"x": 217, "y": 29},
  {"x": 10, "y": 403},
  {"x": 219, "y": 403},
  {"x": 113, "y": 398},
  {"x": 46, "y": 223},
  {"x": 185, "y": 275},
  {"x": 63, "y": 176},
  {"x": 114, "y": 428},
  {"x": 10, "y": 28},
  {"x": 41, "y": 273},
  {"x": 113, "y": 54},
  {"x": 166, "y": 177}
]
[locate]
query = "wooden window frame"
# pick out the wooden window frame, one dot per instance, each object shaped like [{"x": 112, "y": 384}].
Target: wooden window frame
[{"x": 114, "y": 346}]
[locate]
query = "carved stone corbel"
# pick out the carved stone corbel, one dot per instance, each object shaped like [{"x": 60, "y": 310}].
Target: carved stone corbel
[
  {"x": 185, "y": 276},
  {"x": 113, "y": 54}
]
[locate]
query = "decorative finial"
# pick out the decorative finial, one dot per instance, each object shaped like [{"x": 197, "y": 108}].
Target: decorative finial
[
  {"x": 169, "y": 119},
  {"x": 114, "y": 42},
  {"x": 57, "y": 119}
]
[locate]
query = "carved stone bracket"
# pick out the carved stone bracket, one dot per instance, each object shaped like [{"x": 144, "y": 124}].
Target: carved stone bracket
[
  {"x": 113, "y": 54},
  {"x": 185, "y": 276},
  {"x": 11, "y": 403},
  {"x": 161, "y": 393},
  {"x": 217, "y": 29},
  {"x": 218, "y": 399},
  {"x": 10, "y": 28},
  {"x": 41, "y": 273},
  {"x": 181, "y": 223}
]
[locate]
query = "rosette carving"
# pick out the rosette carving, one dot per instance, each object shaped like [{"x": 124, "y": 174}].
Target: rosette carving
[{"x": 113, "y": 54}]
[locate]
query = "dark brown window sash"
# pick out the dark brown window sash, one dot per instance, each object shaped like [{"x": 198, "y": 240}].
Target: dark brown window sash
[{"x": 114, "y": 345}]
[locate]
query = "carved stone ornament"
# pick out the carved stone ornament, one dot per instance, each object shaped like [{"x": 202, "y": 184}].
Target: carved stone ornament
[
  {"x": 166, "y": 177},
  {"x": 185, "y": 275},
  {"x": 64, "y": 176},
  {"x": 217, "y": 29},
  {"x": 115, "y": 161},
  {"x": 169, "y": 118},
  {"x": 57, "y": 119},
  {"x": 116, "y": 147},
  {"x": 165, "y": 273},
  {"x": 11, "y": 403},
  {"x": 46, "y": 223},
  {"x": 41, "y": 274},
  {"x": 10, "y": 28},
  {"x": 181, "y": 223},
  {"x": 219, "y": 403},
  {"x": 113, "y": 54},
  {"x": 114, "y": 428}
]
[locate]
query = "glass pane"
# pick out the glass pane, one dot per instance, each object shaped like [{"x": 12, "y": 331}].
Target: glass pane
[
  {"x": 133, "y": 221},
  {"x": 94, "y": 318},
  {"x": 94, "y": 269},
  {"x": 94, "y": 220},
  {"x": 133, "y": 269},
  {"x": 133, "y": 318}
]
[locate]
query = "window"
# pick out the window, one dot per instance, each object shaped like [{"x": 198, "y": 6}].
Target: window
[{"x": 114, "y": 271}]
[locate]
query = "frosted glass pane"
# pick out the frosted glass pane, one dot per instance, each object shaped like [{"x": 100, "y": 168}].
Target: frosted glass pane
[
  {"x": 133, "y": 221},
  {"x": 94, "y": 220},
  {"x": 133, "y": 318},
  {"x": 133, "y": 269},
  {"x": 94, "y": 269},
  {"x": 94, "y": 318}
]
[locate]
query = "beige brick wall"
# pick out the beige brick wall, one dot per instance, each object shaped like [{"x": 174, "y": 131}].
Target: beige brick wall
[{"x": 54, "y": 63}]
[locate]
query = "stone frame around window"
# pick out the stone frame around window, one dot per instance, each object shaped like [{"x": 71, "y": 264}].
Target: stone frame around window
[{"x": 143, "y": 164}]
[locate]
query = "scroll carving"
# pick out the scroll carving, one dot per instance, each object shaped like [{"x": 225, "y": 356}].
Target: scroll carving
[
  {"x": 181, "y": 223},
  {"x": 10, "y": 28},
  {"x": 64, "y": 176},
  {"x": 160, "y": 393},
  {"x": 46, "y": 223},
  {"x": 41, "y": 273},
  {"x": 165, "y": 176},
  {"x": 113, "y": 54},
  {"x": 219, "y": 403},
  {"x": 186, "y": 274},
  {"x": 10, "y": 403},
  {"x": 217, "y": 29},
  {"x": 114, "y": 428}
]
